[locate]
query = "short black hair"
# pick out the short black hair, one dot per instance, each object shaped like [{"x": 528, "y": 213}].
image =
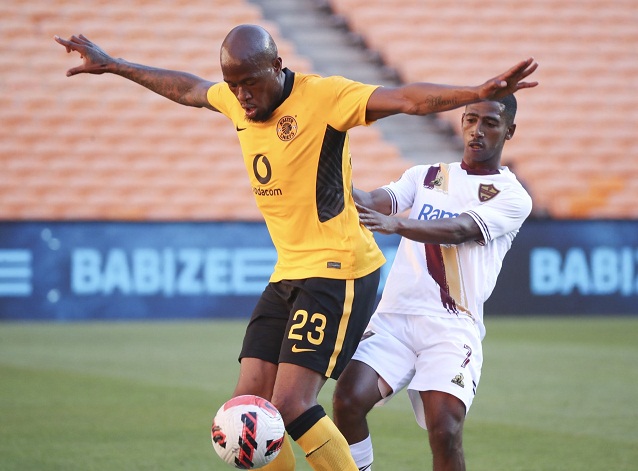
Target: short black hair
[{"x": 511, "y": 105}]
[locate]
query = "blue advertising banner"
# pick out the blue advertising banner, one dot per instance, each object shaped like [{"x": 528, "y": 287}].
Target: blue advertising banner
[
  {"x": 67, "y": 271},
  {"x": 570, "y": 267}
]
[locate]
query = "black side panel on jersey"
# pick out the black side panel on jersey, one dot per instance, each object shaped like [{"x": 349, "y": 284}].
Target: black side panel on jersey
[{"x": 330, "y": 193}]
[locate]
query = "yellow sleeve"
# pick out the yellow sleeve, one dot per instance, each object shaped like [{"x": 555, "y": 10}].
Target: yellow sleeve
[
  {"x": 222, "y": 99},
  {"x": 351, "y": 100}
]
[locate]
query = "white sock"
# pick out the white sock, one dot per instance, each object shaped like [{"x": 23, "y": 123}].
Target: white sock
[{"x": 362, "y": 453}]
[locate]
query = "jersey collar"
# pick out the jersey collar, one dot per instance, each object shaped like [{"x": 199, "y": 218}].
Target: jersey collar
[
  {"x": 479, "y": 171},
  {"x": 288, "y": 83}
]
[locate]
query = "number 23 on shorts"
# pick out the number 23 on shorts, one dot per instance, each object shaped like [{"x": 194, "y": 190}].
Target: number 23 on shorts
[{"x": 313, "y": 326}]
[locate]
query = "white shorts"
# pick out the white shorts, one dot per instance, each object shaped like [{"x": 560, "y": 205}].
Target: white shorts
[{"x": 424, "y": 353}]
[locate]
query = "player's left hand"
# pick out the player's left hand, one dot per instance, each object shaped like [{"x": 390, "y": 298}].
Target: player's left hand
[{"x": 509, "y": 82}]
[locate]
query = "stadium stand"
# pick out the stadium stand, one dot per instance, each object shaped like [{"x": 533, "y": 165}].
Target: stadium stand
[
  {"x": 100, "y": 148},
  {"x": 575, "y": 148}
]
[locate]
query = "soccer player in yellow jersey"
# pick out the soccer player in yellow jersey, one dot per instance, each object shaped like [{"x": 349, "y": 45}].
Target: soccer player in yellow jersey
[{"x": 293, "y": 133}]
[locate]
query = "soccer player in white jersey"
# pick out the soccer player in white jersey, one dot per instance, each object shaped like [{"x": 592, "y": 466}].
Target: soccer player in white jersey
[{"x": 427, "y": 330}]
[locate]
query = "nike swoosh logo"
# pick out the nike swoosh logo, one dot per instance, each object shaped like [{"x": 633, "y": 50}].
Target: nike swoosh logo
[
  {"x": 237, "y": 128},
  {"x": 295, "y": 349}
]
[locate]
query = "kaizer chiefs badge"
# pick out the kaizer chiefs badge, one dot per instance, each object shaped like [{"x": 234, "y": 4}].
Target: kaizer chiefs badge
[
  {"x": 487, "y": 192},
  {"x": 287, "y": 128}
]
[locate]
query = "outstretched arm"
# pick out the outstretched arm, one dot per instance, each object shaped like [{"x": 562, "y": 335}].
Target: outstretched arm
[
  {"x": 181, "y": 87},
  {"x": 426, "y": 98},
  {"x": 435, "y": 231}
]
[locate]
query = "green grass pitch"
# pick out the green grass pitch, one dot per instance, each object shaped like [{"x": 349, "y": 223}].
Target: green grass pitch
[{"x": 556, "y": 394}]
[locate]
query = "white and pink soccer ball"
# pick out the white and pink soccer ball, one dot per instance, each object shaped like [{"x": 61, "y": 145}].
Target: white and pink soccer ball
[{"x": 247, "y": 432}]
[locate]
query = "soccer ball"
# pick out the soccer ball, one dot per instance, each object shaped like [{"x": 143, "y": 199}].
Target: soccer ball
[{"x": 247, "y": 432}]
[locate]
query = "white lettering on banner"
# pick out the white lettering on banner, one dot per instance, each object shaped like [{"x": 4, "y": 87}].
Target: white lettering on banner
[
  {"x": 85, "y": 271},
  {"x": 184, "y": 272},
  {"x": 117, "y": 276},
  {"x": 217, "y": 271},
  {"x": 249, "y": 265},
  {"x": 16, "y": 272},
  {"x": 188, "y": 282},
  {"x": 602, "y": 271},
  {"x": 147, "y": 277},
  {"x": 170, "y": 272}
]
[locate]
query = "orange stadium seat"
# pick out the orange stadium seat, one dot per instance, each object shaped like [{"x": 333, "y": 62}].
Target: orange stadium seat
[
  {"x": 581, "y": 117},
  {"x": 99, "y": 147},
  {"x": 87, "y": 148}
]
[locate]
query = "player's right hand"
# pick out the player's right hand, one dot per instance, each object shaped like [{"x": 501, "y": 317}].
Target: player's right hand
[
  {"x": 509, "y": 82},
  {"x": 94, "y": 59},
  {"x": 375, "y": 221}
]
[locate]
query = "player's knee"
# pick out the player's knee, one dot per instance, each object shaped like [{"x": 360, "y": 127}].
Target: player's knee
[
  {"x": 291, "y": 404},
  {"x": 444, "y": 417},
  {"x": 286, "y": 407},
  {"x": 446, "y": 436},
  {"x": 346, "y": 402},
  {"x": 340, "y": 402}
]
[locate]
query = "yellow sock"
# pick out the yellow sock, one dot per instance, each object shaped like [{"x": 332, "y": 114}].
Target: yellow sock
[
  {"x": 325, "y": 447},
  {"x": 285, "y": 460}
]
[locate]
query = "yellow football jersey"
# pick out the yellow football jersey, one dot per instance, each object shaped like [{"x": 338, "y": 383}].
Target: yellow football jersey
[{"x": 298, "y": 163}]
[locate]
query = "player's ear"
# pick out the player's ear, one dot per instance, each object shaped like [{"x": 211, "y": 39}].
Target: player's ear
[
  {"x": 510, "y": 132},
  {"x": 277, "y": 64}
]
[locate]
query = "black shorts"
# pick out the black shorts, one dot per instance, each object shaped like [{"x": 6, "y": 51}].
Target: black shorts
[{"x": 315, "y": 323}]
